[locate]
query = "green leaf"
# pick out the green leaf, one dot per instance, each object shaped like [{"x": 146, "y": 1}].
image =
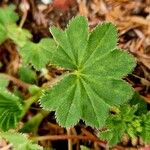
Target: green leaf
[
  {"x": 18, "y": 35},
  {"x": 145, "y": 134},
  {"x": 26, "y": 74},
  {"x": 84, "y": 147},
  {"x": 10, "y": 110},
  {"x": 94, "y": 82},
  {"x": 8, "y": 15},
  {"x": 123, "y": 122},
  {"x": 3, "y": 34},
  {"x": 112, "y": 136},
  {"x": 72, "y": 43},
  {"x": 38, "y": 54},
  {"x": 115, "y": 131},
  {"x": 20, "y": 141},
  {"x": 140, "y": 102},
  {"x": 9, "y": 29},
  {"x": 102, "y": 40},
  {"x": 3, "y": 83}
]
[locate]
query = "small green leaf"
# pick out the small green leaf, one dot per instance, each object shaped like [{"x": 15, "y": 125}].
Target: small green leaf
[
  {"x": 10, "y": 110},
  {"x": 9, "y": 29},
  {"x": 94, "y": 82},
  {"x": 84, "y": 147},
  {"x": 20, "y": 141},
  {"x": 18, "y": 35},
  {"x": 7, "y": 15},
  {"x": 3, "y": 83},
  {"x": 123, "y": 122},
  {"x": 145, "y": 134},
  {"x": 140, "y": 102},
  {"x": 3, "y": 34},
  {"x": 39, "y": 54},
  {"x": 113, "y": 136},
  {"x": 26, "y": 74}
]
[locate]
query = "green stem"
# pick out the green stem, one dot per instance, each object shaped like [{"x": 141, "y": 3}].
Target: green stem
[
  {"x": 34, "y": 122},
  {"x": 30, "y": 101}
]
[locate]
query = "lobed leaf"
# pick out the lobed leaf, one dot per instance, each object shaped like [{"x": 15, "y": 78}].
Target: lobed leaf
[
  {"x": 38, "y": 54},
  {"x": 94, "y": 82},
  {"x": 20, "y": 141},
  {"x": 10, "y": 110}
]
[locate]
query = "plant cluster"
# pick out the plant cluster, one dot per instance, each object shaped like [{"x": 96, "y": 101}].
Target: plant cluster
[{"x": 89, "y": 89}]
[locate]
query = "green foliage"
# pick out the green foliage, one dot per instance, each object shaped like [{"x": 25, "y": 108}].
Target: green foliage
[
  {"x": 38, "y": 54},
  {"x": 18, "y": 35},
  {"x": 3, "y": 34},
  {"x": 129, "y": 122},
  {"x": 84, "y": 148},
  {"x": 95, "y": 66},
  {"x": 19, "y": 141},
  {"x": 3, "y": 83},
  {"x": 26, "y": 74},
  {"x": 8, "y": 15},
  {"x": 10, "y": 110},
  {"x": 138, "y": 100},
  {"x": 9, "y": 29},
  {"x": 145, "y": 134},
  {"x": 33, "y": 124},
  {"x": 91, "y": 86}
]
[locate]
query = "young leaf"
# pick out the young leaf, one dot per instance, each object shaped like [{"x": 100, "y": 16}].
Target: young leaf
[
  {"x": 112, "y": 136},
  {"x": 20, "y": 141},
  {"x": 125, "y": 121},
  {"x": 10, "y": 110},
  {"x": 18, "y": 35},
  {"x": 3, "y": 83},
  {"x": 84, "y": 147},
  {"x": 140, "y": 102},
  {"x": 96, "y": 67},
  {"x": 7, "y": 15},
  {"x": 145, "y": 134},
  {"x": 26, "y": 74},
  {"x": 9, "y": 29},
  {"x": 38, "y": 54},
  {"x": 3, "y": 34}
]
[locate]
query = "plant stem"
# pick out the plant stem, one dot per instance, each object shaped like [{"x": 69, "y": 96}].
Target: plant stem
[
  {"x": 69, "y": 140},
  {"x": 30, "y": 101},
  {"x": 33, "y": 124}
]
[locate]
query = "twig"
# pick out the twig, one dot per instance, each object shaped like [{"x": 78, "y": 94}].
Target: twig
[
  {"x": 66, "y": 137},
  {"x": 15, "y": 81}
]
